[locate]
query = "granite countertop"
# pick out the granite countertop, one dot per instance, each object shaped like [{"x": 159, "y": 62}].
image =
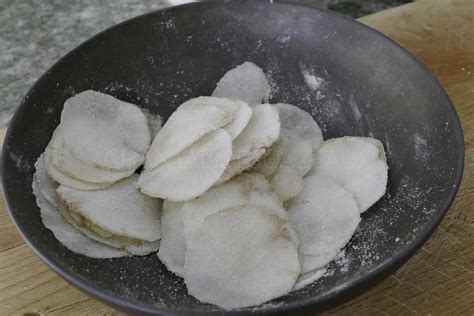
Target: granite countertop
[{"x": 36, "y": 33}]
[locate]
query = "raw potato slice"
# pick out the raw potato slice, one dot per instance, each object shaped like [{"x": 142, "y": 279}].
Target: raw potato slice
[
  {"x": 245, "y": 189},
  {"x": 268, "y": 165},
  {"x": 308, "y": 278},
  {"x": 65, "y": 233},
  {"x": 240, "y": 119},
  {"x": 299, "y": 153},
  {"x": 51, "y": 157},
  {"x": 120, "y": 209},
  {"x": 238, "y": 166},
  {"x": 104, "y": 131},
  {"x": 300, "y": 122},
  {"x": 46, "y": 186},
  {"x": 324, "y": 215},
  {"x": 248, "y": 255},
  {"x": 356, "y": 163},
  {"x": 286, "y": 182},
  {"x": 173, "y": 243},
  {"x": 262, "y": 131},
  {"x": 192, "y": 120},
  {"x": 192, "y": 172},
  {"x": 246, "y": 82},
  {"x": 78, "y": 169}
]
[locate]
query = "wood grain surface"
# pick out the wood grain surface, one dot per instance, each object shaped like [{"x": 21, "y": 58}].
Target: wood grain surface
[{"x": 438, "y": 280}]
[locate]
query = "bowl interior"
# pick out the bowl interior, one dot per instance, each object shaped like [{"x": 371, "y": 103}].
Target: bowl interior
[{"x": 369, "y": 86}]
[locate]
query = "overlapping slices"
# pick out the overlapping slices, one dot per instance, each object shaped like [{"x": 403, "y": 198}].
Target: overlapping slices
[
  {"x": 100, "y": 140},
  {"x": 291, "y": 157},
  {"x": 324, "y": 216},
  {"x": 119, "y": 216},
  {"x": 181, "y": 221},
  {"x": 248, "y": 255},
  {"x": 44, "y": 189},
  {"x": 246, "y": 82},
  {"x": 261, "y": 132},
  {"x": 356, "y": 163}
]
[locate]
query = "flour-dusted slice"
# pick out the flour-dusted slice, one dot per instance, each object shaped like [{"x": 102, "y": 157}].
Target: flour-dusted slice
[
  {"x": 104, "y": 131},
  {"x": 81, "y": 170},
  {"x": 298, "y": 154},
  {"x": 300, "y": 122},
  {"x": 192, "y": 120},
  {"x": 44, "y": 183},
  {"x": 241, "y": 257},
  {"x": 268, "y": 165},
  {"x": 356, "y": 163},
  {"x": 173, "y": 243},
  {"x": 192, "y": 172},
  {"x": 246, "y": 82},
  {"x": 52, "y": 165},
  {"x": 324, "y": 215},
  {"x": 310, "y": 263},
  {"x": 262, "y": 131},
  {"x": 245, "y": 189},
  {"x": 66, "y": 234},
  {"x": 308, "y": 278},
  {"x": 240, "y": 119},
  {"x": 286, "y": 182},
  {"x": 236, "y": 167},
  {"x": 118, "y": 211},
  {"x": 155, "y": 121}
]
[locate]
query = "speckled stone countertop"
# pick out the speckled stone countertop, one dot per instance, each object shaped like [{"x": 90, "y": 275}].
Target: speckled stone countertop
[{"x": 36, "y": 33}]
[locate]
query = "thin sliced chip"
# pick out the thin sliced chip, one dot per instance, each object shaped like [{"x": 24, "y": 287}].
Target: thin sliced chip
[
  {"x": 308, "y": 278},
  {"x": 173, "y": 243},
  {"x": 356, "y": 163},
  {"x": 267, "y": 166},
  {"x": 238, "y": 166},
  {"x": 246, "y": 82},
  {"x": 299, "y": 153},
  {"x": 262, "y": 131},
  {"x": 104, "y": 131},
  {"x": 248, "y": 255},
  {"x": 45, "y": 184},
  {"x": 78, "y": 169},
  {"x": 51, "y": 157},
  {"x": 245, "y": 189},
  {"x": 324, "y": 215},
  {"x": 192, "y": 172},
  {"x": 300, "y": 122},
  {"x": 192, "y": 120},
  {"x": 120, "y": 209},
  {"x": 286, "y": 182},
  {"x": 66, "y": 234},
  {"x": 240, "y": 119}
]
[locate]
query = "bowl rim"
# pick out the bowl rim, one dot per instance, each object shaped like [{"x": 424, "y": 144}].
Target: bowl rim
[{"x": 330, "y": 299}]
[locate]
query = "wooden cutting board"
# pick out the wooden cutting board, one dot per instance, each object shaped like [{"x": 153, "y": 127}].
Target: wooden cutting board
[{"x": 439, "y": 279}]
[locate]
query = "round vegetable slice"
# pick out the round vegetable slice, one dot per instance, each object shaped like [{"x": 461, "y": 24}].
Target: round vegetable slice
[
  {"x": 104, "y": 131},
  {"x": 120, "y": 209},
  {"x": 246, "y": 82},
  {"x": 300, "y": 122},
  {"x": 325, "y": 216},
  {"x": 262, "y": 131},
  {"x": 192, "y": 120},
  {"x": 192, "y": 172},
  {"x": 356, "y": 163},
  {"x": 248, "y": 255},
  {"x": 298, "y": 154},
  {"x": 46, "y": 186},
  {"x": 286, "y": 182}
]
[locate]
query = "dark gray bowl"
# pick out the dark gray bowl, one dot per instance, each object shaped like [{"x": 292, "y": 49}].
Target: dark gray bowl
[{"x": 374, "y": 87}]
